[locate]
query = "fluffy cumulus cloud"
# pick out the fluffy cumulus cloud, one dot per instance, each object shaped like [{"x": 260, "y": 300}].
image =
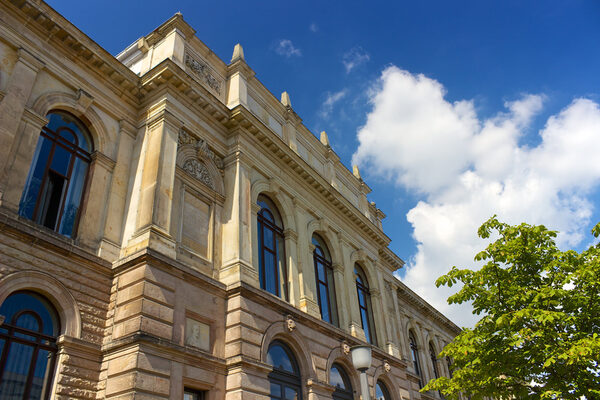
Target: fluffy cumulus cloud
[
  {"x": 354, "y": 57},
  {"x": 286, "y": 48},
  {"x": 466, "y": 169}
]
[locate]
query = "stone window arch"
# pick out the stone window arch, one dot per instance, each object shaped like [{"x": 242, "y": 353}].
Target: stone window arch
[{"x": 57, "y": 177}]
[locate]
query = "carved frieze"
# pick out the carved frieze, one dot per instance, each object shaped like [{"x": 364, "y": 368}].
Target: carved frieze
[
  {"x": 198, "y": 170},
  {"x": 201, "y": 69},
  {"x": 201, "y": 147}
]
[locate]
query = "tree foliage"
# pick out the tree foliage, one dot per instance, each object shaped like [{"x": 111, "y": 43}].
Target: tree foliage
[{"x": 539, "y": 335}]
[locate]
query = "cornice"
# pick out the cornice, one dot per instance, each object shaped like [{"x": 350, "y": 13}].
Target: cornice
[
  {"x": 240, "y": 116},
  {"x": 53, "y": 27}
]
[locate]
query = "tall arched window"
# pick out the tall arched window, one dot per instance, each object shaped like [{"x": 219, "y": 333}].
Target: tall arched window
[
  {"x": 382, "y": 392},
  {"x": 325, "y": 282},
  {"x": 271, "y": 251},
  {"x": 364, "y": 304},
  {"x": 340, "y": 379},
  {"x": 54, "y": 187},
  {"x": 433, "y": 357},
  {"x": 449, "y": 364},
  {"x": 27, "y": 346},
  {"x": 414, "y": 351},
  {"x": 285, "y": 382}
]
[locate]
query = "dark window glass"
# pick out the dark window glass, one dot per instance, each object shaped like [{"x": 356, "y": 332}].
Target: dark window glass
[
  {"x": 381, "y": 392},
  {"x": 433, "y": 356},
  {"x": 27, "y": 346},
  {"x": 190, "y": 394},
  {"x": 325, "y": 282},
  {"x": 339, "y": 378},
  {"x": 54, "y": 186},
  {"x": 285, "y": 382},
  {"x": 272, "y": 271},
  {"x": 414, "y": 351},
  {"x": 449, "y": 364},
  {"x": 364, "y": 305}
]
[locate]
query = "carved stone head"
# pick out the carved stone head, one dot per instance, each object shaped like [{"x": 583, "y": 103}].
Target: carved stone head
[{"x": 290, "y": 323}]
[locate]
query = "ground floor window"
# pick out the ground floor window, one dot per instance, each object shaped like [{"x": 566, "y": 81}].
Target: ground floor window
[
  {"x": 191, "y": 394},
  {"x": 27, "y": 346},
  {"x": 285, "y": 378}
]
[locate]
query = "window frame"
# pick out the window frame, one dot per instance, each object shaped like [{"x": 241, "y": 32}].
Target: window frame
[
  {"x": 42, "y": 341},
  {"x": 278, "y": 239},
  {"x": 363, "y": 287},
  {"x": 330, "y": 292},
  {"x": 283, "y": 378},
  {"x": 338, "y": 393},
  {"x": 414, "y": 349},
  {"x": 433, "y": 357},
  {"x": 75, "y": 151},
  {"x": 384, "y": 389}
]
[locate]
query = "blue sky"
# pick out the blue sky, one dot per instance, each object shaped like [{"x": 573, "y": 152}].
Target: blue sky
[{"x": 453, "y": 110}]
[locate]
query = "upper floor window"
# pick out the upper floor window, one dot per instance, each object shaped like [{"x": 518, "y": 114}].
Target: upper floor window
[
  {"x": 381, "y": 392},
  {"x": 285, "y": 382},
  {"x": 414, "y": 351},
  {"x": 27, "y": 346},
  {"x": 325, "y": 282},
  {"x": 449, "y": 364},
  {"x": 339, "y": 378},
  {"x": 54, "y": 187},
  {"x": 432, "y": 355},
  {"x": 364, "y": 305},
  {"x": 272, "y": 271}
]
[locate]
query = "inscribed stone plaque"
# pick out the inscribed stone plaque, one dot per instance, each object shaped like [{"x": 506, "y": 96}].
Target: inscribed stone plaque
[
  {"x": 196, "y": 224},
  {"x": 197, "y": 334}
]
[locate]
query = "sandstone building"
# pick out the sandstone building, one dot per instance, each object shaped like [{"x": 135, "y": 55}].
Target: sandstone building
[{"x": 170, "y": 229}]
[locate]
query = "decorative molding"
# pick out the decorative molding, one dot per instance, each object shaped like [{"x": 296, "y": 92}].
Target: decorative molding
[
  {"x": 290, "y": 323},
  {"x": 198, "y": 170},
  {"x": 202, "y": 69},
  {"x": 201, "y": 147},
  {"x": 345, "y": 348},
  {"x": 386, "y": 366},
  {"x": 84, "y": 99}
]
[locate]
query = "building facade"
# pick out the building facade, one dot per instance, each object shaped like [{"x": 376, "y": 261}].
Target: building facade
[{"x": 170, "y": 229}]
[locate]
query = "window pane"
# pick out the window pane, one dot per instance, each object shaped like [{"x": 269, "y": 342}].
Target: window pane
[
  {"x": 381, "y": 392},
  {"x": 61, "y": 160},
  {"x": 325, "y": 314},
  {"x": 268, "y": 238},
  {"x": 34, "y": 180},
  {"x": 291, "y": 393},
  {"x": 29, "y": 301},
  {"x": 279, "y": 359},
  {"x": 365, "y": 323},
  {"x": 270, "y": 271},
  {"x": 336, "y": 379},
  {"x": 275, "y": 390},
  {"x": 28, "y": 321},
  {"x": 41, "y": 376},
  {"x": 73, "y": 198},
  {"x": 15, "y": 371},
  {"x": 320, "y": 271}
]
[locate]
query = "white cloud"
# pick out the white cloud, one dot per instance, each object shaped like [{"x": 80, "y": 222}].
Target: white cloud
[
  {"x": 466, "y": 169},
  {"x": 355, "y": 57},
  {"x": 313, "y": 27},
  {"x": 286, "y": 48},
  {"x": 330, "y": 100}
]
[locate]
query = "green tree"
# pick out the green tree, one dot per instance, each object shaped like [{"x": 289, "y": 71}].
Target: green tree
[{"x": 539, "y": 335}]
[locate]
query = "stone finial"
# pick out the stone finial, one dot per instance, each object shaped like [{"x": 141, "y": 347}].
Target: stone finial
[
  {"x": 356, "y": 172},
  {"x": 324, "y": 138},
  {"x": 285, "y": 99},
  {"x": 238, "y": 53}
]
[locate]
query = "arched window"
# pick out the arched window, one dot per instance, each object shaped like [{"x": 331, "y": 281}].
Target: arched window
[
  {"x": 339, "y": 378},
  {"x": 433, "y": 356},
  {"x": 285, "y": 382},
  {"x": 27, "y": 346},
  {"x": 271, "y": 252},
  {"x": 325, "y": 282},
  {"x": 382, "y": 392},
  {"x": 364, "y": 305},
  {"x": 414, "y": 351},
  {"x": 57, "y": 177}
]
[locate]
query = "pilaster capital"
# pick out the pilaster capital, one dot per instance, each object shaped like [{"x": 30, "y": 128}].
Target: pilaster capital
[
  {"x": 290, "y": 234},
  {"x": 33, "y": 118},
  {"x": 128, "y": 128},
  {"x": 166, "y": 117},
  {"x": 338, "y": 267},
  {"x": 103, "y": 160}
]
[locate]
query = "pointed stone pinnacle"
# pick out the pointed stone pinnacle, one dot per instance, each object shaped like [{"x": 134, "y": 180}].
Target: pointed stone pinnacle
[
  {"x": 285, "y": 99},
  {"x": 324, "y": 138},
  {"x": 356, "y": 172},
  {"x": 238, "y": 53}
]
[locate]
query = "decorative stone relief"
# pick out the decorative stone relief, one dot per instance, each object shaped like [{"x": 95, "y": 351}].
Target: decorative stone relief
[
  {"x": 197, "y": 334},
  {"x": 290, "y": 323},
  {"x": 345, "y": 348},
  {"x": 198, "y": 170},
  {"x": 201, "y": 147},
  {"x": 386, "y": 366},
  {"x": 203, "y": 70}
]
